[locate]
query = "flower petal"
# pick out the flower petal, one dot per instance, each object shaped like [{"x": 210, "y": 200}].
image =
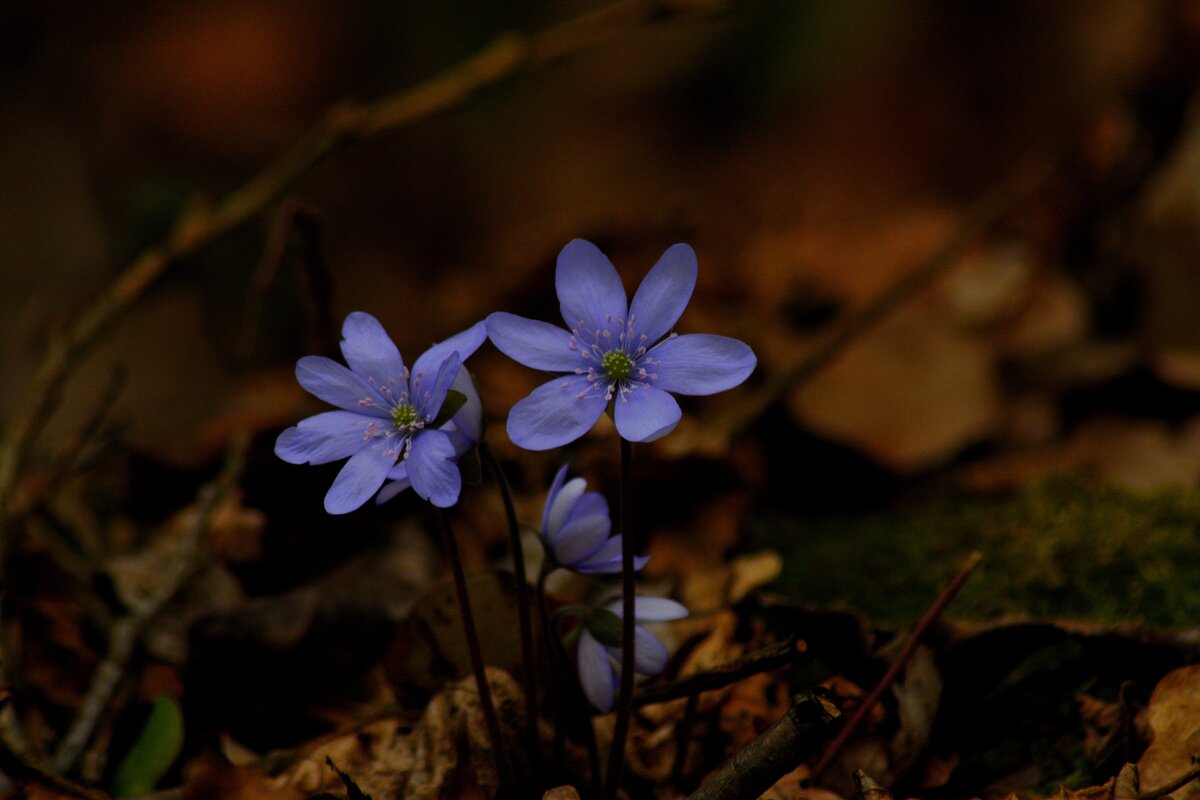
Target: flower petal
[
  {"x": 390, "y": 490},
  {"x": 469, "y": 419},
  {"x": 581, "y": 539},
  {"x": 607, "y": 560},
  {"x": 556, "y": 413},
  {"x": 591, "y": 504},
  {"x": 596, "y": 673},
  {"x": 664, "y": 293},
  {"x": 340, "y": 387},
  {"x": 465, "y": 343},
  {"x": 658, "y": 609},
  {"x": 701, "y": 363},
  {"x": 589, "y": 289},
  {"x": 538, "y": 345},
  {"x": 362, "y": 476},
  {"x": 326, "y": 437},
  {"x": 371, "y": 353},
  {"x": 645, "y": 414},
  {"x": 564, "y": 501},
  {"x": 650, "y": 656},
  {"x": 555, "y": 486},
  {"x": 429, "y": 392},
  {"x": 432, "y": 469}
]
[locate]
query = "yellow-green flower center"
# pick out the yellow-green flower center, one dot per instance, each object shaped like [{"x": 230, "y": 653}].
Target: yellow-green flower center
[
  {"x": 404, "y": 416},
  {"x": 617, "y": 365}
]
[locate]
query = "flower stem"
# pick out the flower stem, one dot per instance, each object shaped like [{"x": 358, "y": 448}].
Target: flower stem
[
  {"x": 529, "y": 664},
  {"x": 616, "y": 755},
  {"x": 481, "y": 682},
  {"x": 562, "y": 695}
]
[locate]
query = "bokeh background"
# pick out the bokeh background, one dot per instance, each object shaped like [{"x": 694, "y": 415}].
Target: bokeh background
[{"x": 1036, "y": 395}]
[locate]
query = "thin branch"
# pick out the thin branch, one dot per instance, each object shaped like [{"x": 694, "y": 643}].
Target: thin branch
[
  {"x": 893, "y": 671},
  {"x": 303, "y": 221},
  {"x": 72, "y": 455},
  {"x": 127, "y": 632},
  {"x": 983, "y": 215},
  {"x": 765, "y": 659},
  {"x": 200, "y": 224},
  {"x": 810, "y": 721}
]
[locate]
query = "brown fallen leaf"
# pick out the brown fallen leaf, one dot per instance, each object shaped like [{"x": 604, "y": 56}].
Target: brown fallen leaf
[
  {"x": 210, "y": 776},
  {"x": 910, "y": 392},
  {"x": 389, "y": 759},
  {"x": 1174, "y": 719}
]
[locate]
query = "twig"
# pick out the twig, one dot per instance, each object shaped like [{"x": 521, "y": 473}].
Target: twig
[
  {"x": 294, "y": 216},
  {"x": 70, "y": 457},
  {"x": 125, "y": 634},
  {"x": 683, "y": 738},
  {"x": 764, "y": 659},
  {"x": 757, "y": 766},
  {"x": 986, "y": 212},
  {"x": 200, "y": 224},
  {"x": 17, "y": 768},
  {"x": 893, "y": 671}
]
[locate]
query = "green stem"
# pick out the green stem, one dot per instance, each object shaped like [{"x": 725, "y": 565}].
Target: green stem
[
  {"x": 481, "y": 682},
  {"x": 616, "y": 755},
  {"x": 528, "y": 661}
]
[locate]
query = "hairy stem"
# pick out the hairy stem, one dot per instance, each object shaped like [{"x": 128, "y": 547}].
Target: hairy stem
[
  {"x": 468, "y": 618},
  {"x": 616, "y": 756}
]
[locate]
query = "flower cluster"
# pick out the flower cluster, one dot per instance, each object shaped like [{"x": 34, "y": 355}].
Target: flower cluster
[{"x": 400, "y": 428}]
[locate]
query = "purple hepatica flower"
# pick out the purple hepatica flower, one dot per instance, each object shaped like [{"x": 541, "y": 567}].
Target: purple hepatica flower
[
  {"x": 465, "y": 429},
  {"x": 615, "y": 351},
  {"x": 386, "y": 415},
  {"x": 599, "y": 662},
  {"x": 575, "y": 527}
]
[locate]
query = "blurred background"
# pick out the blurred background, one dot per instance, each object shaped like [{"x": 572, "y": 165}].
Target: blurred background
[{"x": 1032, "y": 169}]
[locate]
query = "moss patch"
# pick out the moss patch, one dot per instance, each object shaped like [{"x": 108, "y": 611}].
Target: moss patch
[{"x": 1058, "y": 548}]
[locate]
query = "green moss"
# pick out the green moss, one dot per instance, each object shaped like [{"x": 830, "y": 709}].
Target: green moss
[{"x": 1058, "y": 548}]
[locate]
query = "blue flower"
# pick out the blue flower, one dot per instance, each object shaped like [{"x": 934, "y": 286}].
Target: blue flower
[
  {"x": 599, "y": 662},
  {"x": 575, "y": 527},
  {"x": 465, "y": 429},
  {"x": 386, "y": 415},
  {"x": 615, "y": 351}
]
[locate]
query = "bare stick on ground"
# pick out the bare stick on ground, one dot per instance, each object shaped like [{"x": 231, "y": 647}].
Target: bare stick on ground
[
  {"x": 810, "y": 722},
  {"x": 910, "y": 645},
  {"x": 765, "y": 659},
  {"x": 125, "y": 634}
]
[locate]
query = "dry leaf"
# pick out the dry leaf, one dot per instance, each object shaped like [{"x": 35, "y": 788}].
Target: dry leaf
[
  {"x": 1174, "y": 719},
  {"x": 911, "y": 392},
  {"x": 386, "y": 759}
]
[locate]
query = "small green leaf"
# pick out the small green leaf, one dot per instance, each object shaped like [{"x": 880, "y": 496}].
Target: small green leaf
[
  {"x": 605, "y": 626},
  {"x": 155, "y": 750},
  {"x": 453, "y": 402}
]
